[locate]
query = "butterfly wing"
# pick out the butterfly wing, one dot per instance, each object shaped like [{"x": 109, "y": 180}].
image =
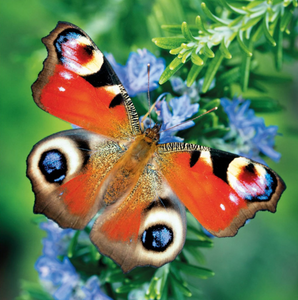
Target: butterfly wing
[
  {"x": 147, "y": 227},
  {"x": 220, "y": 189},
  {"x": 78, "y": 85},
  {"x": 67, "y": 172}
]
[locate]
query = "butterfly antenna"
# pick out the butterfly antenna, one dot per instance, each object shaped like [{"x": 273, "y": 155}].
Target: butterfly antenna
[
  {"x": 153, "y": 105},
  {"x": 148, "y": 95},
  {"x": 201, "y": 115}
]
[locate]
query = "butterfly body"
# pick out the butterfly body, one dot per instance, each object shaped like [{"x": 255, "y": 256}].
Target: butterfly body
[
  {"x": 140, "y": 186},
  {"x": 126, "y": 172}
]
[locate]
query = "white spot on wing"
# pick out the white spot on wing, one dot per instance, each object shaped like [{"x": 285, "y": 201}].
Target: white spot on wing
[
  {"x": 233, "y": 198},
  {"x": 66, "y": 75},
  {"x": 61, "y": 89},
  {"x": 205, "y": 155},
  {"x": 73, "y": 42},
  {"x": 222, "y": 207},
  {"x": 114, "y": 89},
  {"x": 69, "y": 52}
]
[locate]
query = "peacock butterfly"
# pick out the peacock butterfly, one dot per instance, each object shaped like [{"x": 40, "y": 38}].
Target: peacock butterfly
[{"x": 142, "y": 187}]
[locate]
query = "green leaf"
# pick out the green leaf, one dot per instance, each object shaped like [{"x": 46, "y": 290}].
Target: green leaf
[
  {"x": 177, "y": 293},
  {"x": 253, "y": 4},
  {"x": 258, "y": 32},
  {"x": 175, "y": 63},
  {"x": 125, "y": 288},
  {"x": 212, "y": 104},
  {"x": 285, "y": 19},
  {"x": 196, "y": 243},
  {"x": 186, "y": 32},
  {"x": 176, "y": 50},
  {"x": 176, "y": 29},
  {"x": 168, "y": 42},
  {"x": 232, "y": 8},
  {"x": 278, "y": 78},
  {"x": 72, "y": 244},
  {"x": 193, "y": 270},
  {"x": 267, "y": 33},
  {"x": 177, "y": 284},
  {"x": 245, "y": 71},
  {"x": 250, "y": 23},
  {"x": 200, "y": 235},
  {"x": 245, "y": 68},
  {"x": 151, "y": 292},
  {"x": 265, "y": 104},
  {"x": 211, "y": 70},
  {"x": 208, "y": 52},
  {"x": 218, "y": 131},
  {"x": 168, "y": 72},
  {"x": 196, "y": 59},
  {"x": 162, "y": 275},
  {"x": 211, "y": 119},
  {"x": 186, "y": 55},
  {"x": 116, "y": 276},
  {"x": 194, "y": 253},
  {"x": 242, "y": 45},
  {"x": 228, "y": 77},
  {"x": 193, "y": 74},
  {"x": 94, "y": 254},
  {"x": 201, "y": 26},
  {"x": 212, "y": 17},
  {"x": 224, "y": 50},
  {"x": 278, "y": 34},
  {"x": 235, "y": 21},
  {"x": 258, "y": 86}
]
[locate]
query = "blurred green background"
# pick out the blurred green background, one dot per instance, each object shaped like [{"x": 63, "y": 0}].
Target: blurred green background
[{"x": 261, "y": 262}]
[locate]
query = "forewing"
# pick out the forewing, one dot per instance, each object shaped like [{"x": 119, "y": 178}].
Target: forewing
[
  {"x": 220, "y": 189},
  {"x": 78, "y": 85}
]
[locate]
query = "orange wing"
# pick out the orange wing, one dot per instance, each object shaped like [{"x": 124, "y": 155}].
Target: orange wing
[
  {"x": 146, "y": 227},
  {"x": 67, "y": 171},
  {"x": 78, "y": 85},
  {"x": 220, "y": 189}
]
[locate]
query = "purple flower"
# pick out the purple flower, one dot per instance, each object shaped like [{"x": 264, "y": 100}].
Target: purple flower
[
  {"x": 264, "y": 140},
  {"x": 91, "y": 291},
  {"x": 59, "y": 277},
  {"x": 176, "y": 112},
  {"x": 249, "y": 136},
  {"x": 134, "y": 74},
  {"x": 181, "y": 110},
  {"x": 139, "y": 293},
  {"x": 179, "y": 86},
  {"x": 57, "y": 241}
]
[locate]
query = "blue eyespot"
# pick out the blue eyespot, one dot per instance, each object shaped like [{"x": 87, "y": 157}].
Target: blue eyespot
[
  {"x": 52, "y": 164},
  {"x": 157, "y": 238}
]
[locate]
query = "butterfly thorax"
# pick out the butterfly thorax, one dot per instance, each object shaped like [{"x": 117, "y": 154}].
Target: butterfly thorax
[{"x": 152, "y": 134}]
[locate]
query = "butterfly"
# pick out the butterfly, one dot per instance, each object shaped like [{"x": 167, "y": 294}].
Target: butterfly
[{"x": 140, "y": 186}]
